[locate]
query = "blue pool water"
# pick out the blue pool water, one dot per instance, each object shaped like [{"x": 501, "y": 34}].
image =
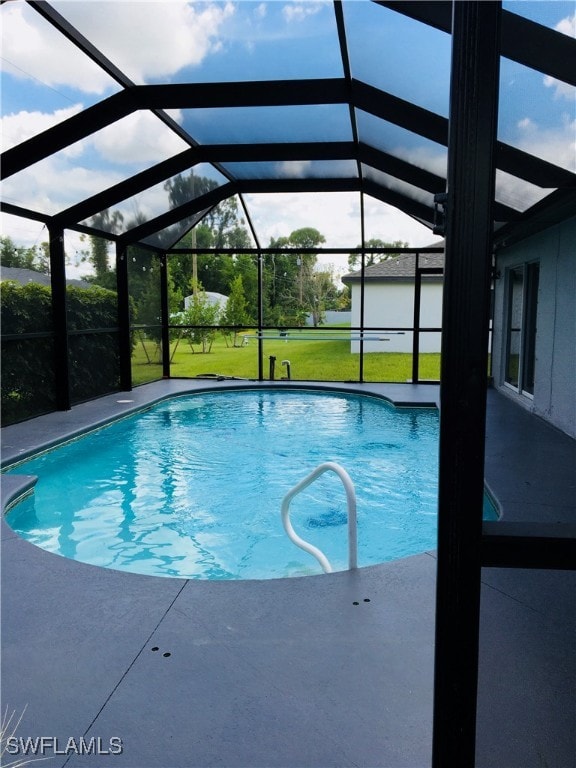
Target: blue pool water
[{"x": 193, "y": 486}]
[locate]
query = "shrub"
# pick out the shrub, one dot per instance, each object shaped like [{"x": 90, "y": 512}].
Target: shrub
[{"x": 28, "y": 373}]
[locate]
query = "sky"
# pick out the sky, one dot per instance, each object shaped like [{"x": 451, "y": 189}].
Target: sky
[{"x": 46, "y": 80}]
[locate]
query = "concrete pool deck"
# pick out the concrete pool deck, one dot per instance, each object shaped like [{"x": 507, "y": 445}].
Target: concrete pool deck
[{"x": 301, "y": 673}]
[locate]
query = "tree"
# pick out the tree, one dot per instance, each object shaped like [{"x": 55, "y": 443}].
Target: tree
[
  {"x": 321, "y": 293},
  {"x": 221, "y": 227},
  {"x": 34, "y": 257},
  {"x": 201, "y": 312},
  {"x": 235, "y": 312},
  {"x": 292, "y": 287},
  {"x": 354, "y": 259},
  {"x": 98, "y": 249}
]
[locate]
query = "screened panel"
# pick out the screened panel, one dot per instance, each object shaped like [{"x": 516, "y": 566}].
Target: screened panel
[
  {"x": 39, "y": 88},
  {"x": 397, "y": 141},
  {"x": 157, "y": 199},
  {"x": 93, "y": 164},
  {"x": 28, "y": 374},
  {"x": 213, "y": 42},
  {"x": 94, "y": 365},
  {"x": 397, "y": 185},
  {"x": 167, "y": 237},
  {"x": 310, "y": 355},
  {"x": 213, "y": 308},
  {"x": 92, "y": 320},
  {"x": 146, "y": 326},
  {"x": 384, "y": 223},
  {"x": 294, "y": 169},
  {"x": 517, "y": 193},
  {"x": 245, "y": 125},
  {"x": 536, "y": 114},
  {"x": 399, "y": 55},
  {"x": 389, "y": 365}
]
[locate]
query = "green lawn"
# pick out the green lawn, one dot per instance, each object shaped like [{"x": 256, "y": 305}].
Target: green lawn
[{"x": 309, "y": 360}]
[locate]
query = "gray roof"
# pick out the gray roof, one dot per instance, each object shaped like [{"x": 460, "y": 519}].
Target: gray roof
[
  {"x": 398, "y": 268},
  {"x": 25, "y": 276}
]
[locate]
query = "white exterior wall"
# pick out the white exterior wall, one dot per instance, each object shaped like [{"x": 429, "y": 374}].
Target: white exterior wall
[
  {"x": 391, "y": 304},
  {"x": 555, "y": 369}
]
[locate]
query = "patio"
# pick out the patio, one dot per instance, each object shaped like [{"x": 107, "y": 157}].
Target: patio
[{"x": 290, "y": 673}]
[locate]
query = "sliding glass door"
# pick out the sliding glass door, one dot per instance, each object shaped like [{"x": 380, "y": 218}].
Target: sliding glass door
[{"x": 522, "y": 293}]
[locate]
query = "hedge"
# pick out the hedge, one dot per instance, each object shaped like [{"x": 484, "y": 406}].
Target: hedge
[{"x": 28, "y": 376}]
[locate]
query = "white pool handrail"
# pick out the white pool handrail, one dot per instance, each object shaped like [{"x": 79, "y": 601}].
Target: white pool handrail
[{"x": 351, "y": 500}]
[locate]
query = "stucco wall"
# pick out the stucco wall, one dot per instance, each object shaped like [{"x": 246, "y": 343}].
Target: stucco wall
[
  {"x": 391, "y": 305},
  {"x": 555, "y": 369}
]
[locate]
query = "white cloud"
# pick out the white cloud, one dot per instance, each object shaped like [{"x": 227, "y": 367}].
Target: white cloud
[
  {"x": 557, "y": 145},
  {"x": 20, "y": 126},
  {"x": 144, "y": 39},
  {"x": 563, "y": 90},
  {"x": 261, "y": 10},
  {"x": 293, "y": 169},
  {"x": 151, "y": 40},
  {"x": 39, "y": 52},
  {"x": 299, "y": 11},
  {"x": 138, "y": 138},
  {"x": 567, "y": 26}
]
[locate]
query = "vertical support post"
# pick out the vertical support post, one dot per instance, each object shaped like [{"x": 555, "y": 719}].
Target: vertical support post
[
  {"x": 416, "y": 321},
  {"x": 60, "y": 319},
  {"x": 165, "y": 316},
  {"x": 260, "y": 317},
  {"x": 472, "y": 135},
  {"x": 125, "y": 345},
  {"x": 362, "y": 292}
]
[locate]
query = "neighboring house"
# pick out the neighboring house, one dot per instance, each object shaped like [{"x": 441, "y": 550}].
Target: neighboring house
[
  {"x": 389, "y": 303},
  {"x": 534, "y": 349},
  {"x": 25, "y": 276},
  {"x": 213, "y": 298}
]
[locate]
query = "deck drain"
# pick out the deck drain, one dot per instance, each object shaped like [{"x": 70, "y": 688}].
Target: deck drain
[{"x": 357, "y": 602}]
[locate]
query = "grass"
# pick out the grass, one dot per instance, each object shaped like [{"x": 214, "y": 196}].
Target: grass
[{"x": 309, "y": 360}]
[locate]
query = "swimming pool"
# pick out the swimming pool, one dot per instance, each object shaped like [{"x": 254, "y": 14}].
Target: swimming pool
[{"x": 192, "y": 487}]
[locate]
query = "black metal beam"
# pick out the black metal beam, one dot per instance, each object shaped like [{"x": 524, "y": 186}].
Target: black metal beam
[
  {"x": 165, "y": 315},
  {"x": 125, "y": 345},
  {"x": 24, "y": 213},
  {"x": 250, "y": 94},
  {"x": 246, "y": 186},
  {"x": 464, "y": 363},
  {"x": 60, "y": 320},
  {"x": 344, "y": 55},
  {"x": 529, "y": 545}
]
